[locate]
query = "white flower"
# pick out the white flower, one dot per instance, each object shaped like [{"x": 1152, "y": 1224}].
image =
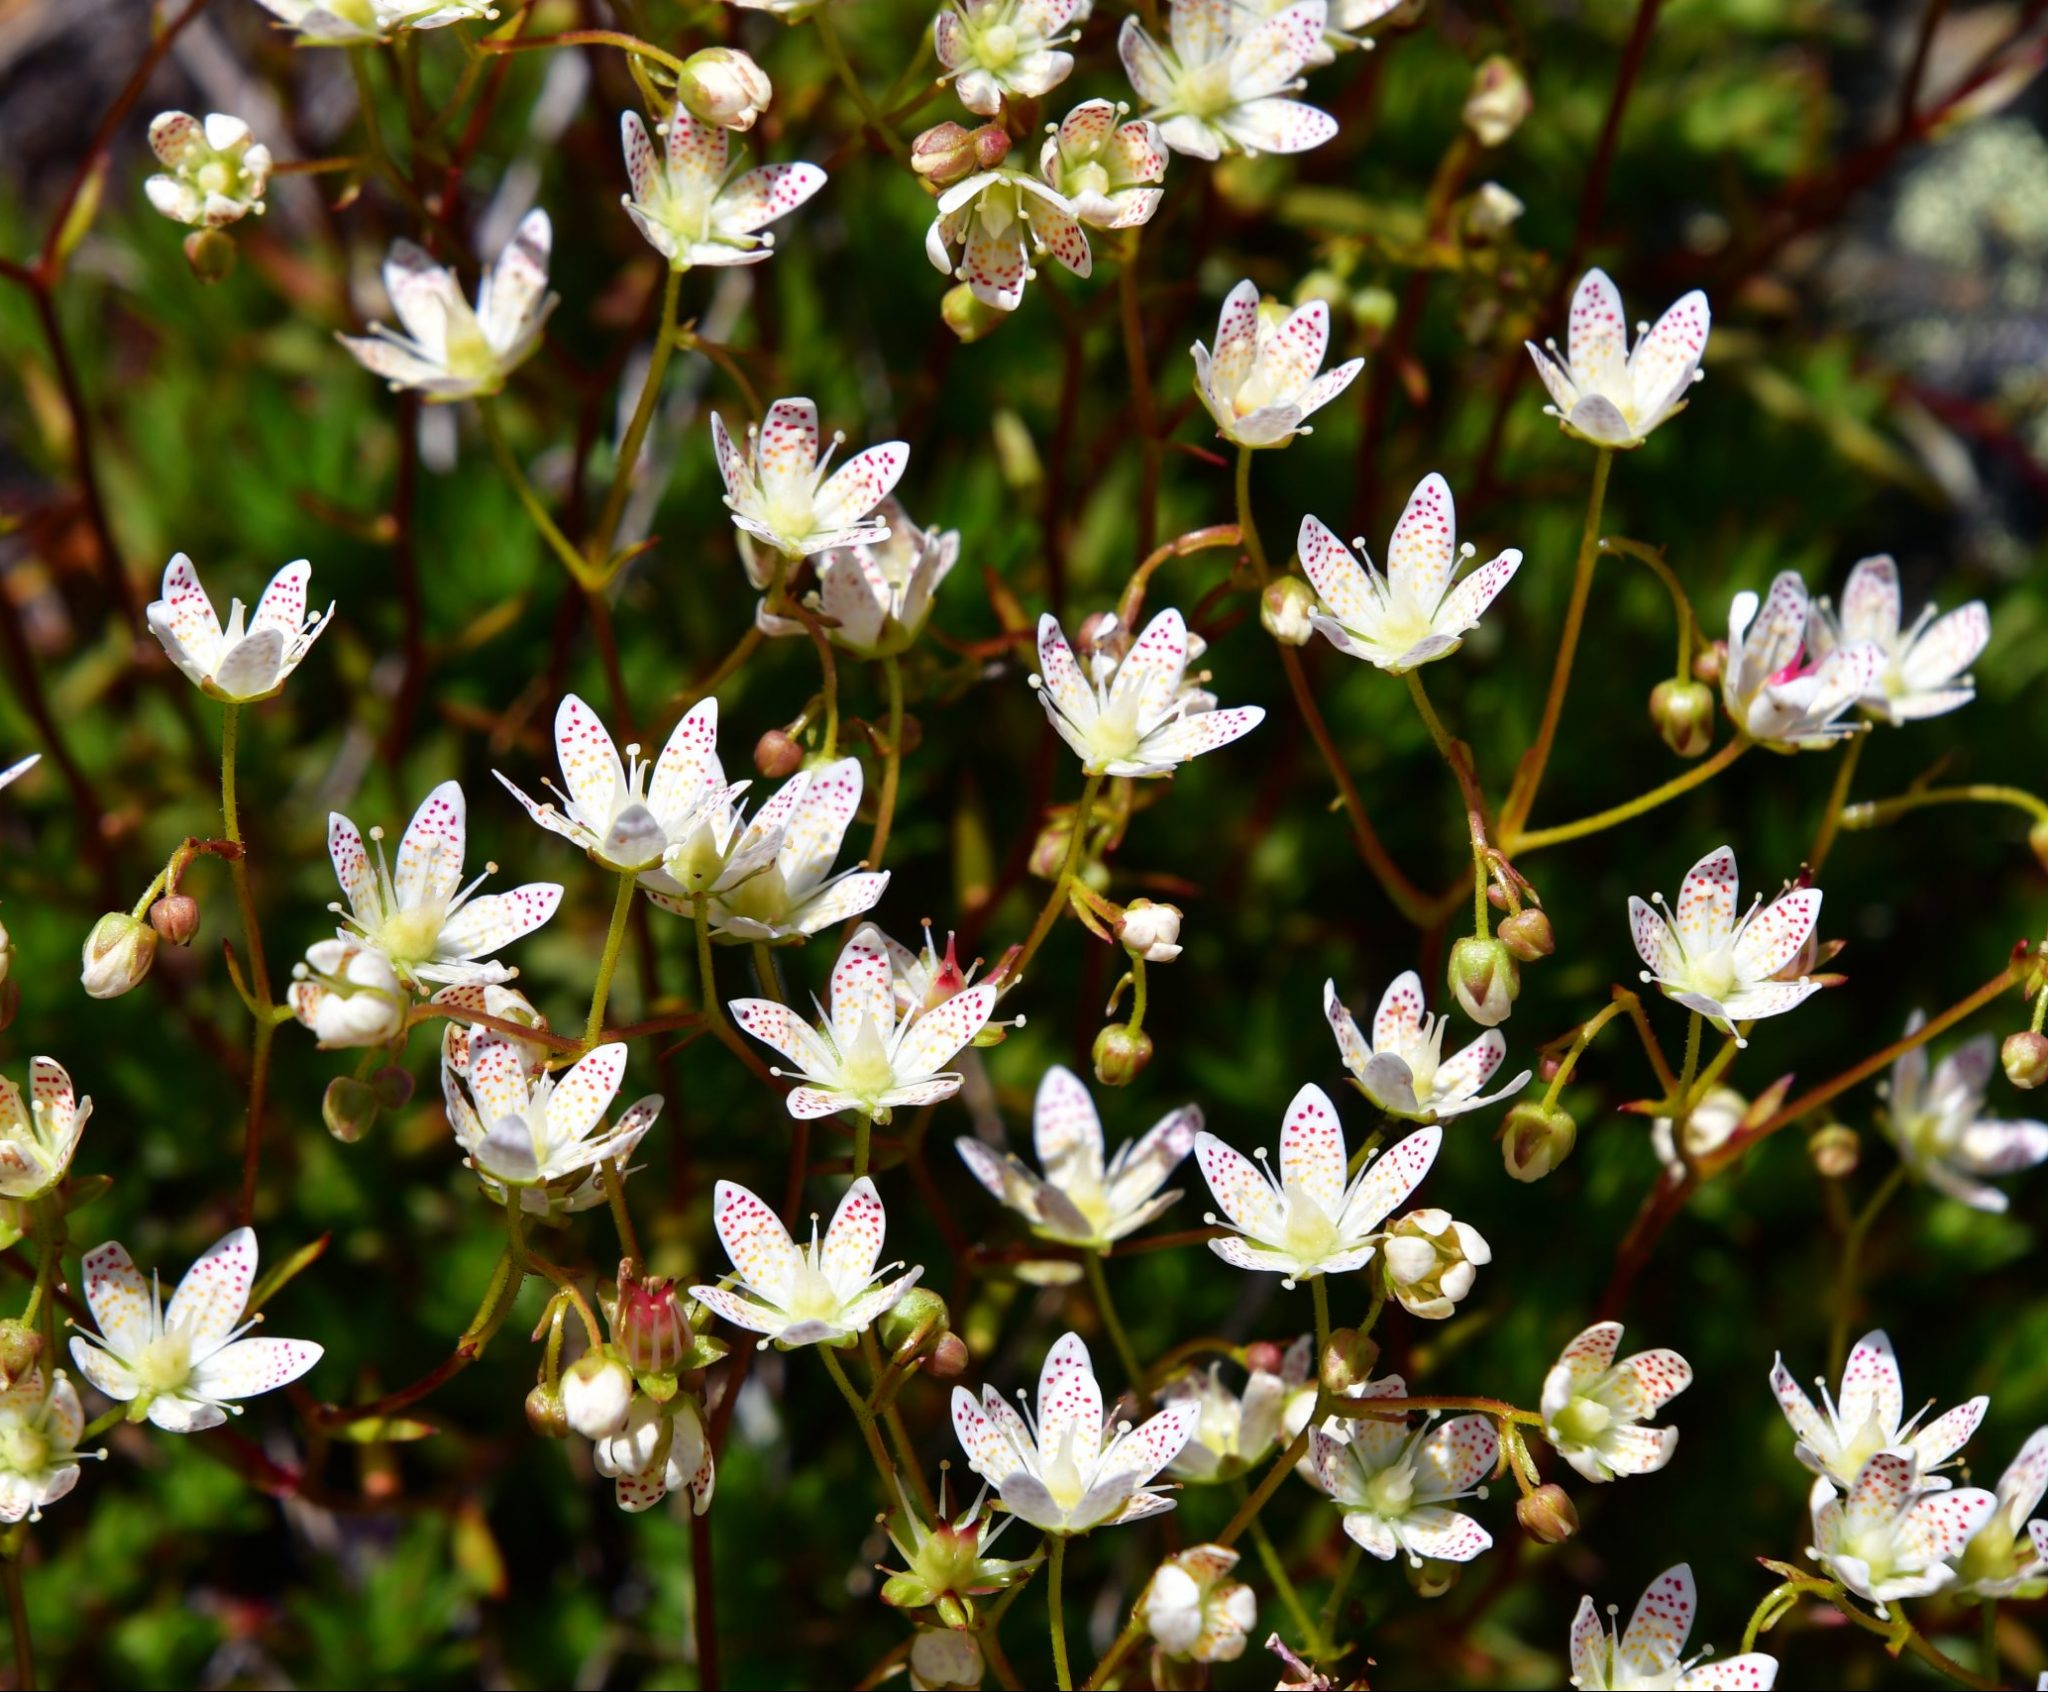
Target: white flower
[
  {"x": 237, "y": 665},
  {"x": 1594, "y": 1409},
  {"x": 1924, "y": 669},
  {"x": 1349, "y": 19},
  {"x": 1077, "y": 1200},
  {"x": 1868, "y": 1416},
  {"x": 1261, "y": 383},
  {"x": 1403, "y": 1070},
  {"x": 1890, "y": 1538},
  {"x": 39, "y": 1433},
  {"x": 355, "y": 23},
  {"x": 1394, "y": 1480},
  {"x": 796, "y": 893},
  {"x": 1432, "y": 1262},
  {"x": 1221, "y": 82},
  {"x": 507, "y": 1004},
  {"x": 874, "y": 594},
  {"x": 1938, "y": 1123},
  {"x": 1070, "y": 1471},
  {"x": 348, "y": 994},
  {"x": 420, "y": 916},
  {"x": 2009, "y": 1552},
  {"x": 1704, "y": 959},
  {"x": 597, "y": 1391},
  {"x": 1777, "y": 692},
  {"x": 1649, "y": 1656},
  {"x": 36, "y": 1144},
  {"x": 213, "y": 172},
  {"x": 183, "y": 1365},
  {"x": 1107, "y": 171},
  {"x": 778, "y": 491},
  {"x": 19, "y": 768},
  {"x": 526, "y": 1133},
  {"x": 447, "y": 351},
  {"x": 860, "y": 1057},
  {"x": 1149, "y": 931},
  {"x": 661, "y": 1449},
  {"x": 1137, "y": 715},
  {"x": 1412, "y": 614},
  {"x": 1237, "y": 1431},
  {"x": 1710, "y": 1127},
  {"x": 991, "y": 48},
  {"x": 1000, "y": 219},
  {"x": 691, "y": 207},
  {"x": 1607, "y": 394},
  {"x": 1309, "y": 1221},
  {"x": 827, "y": 1293},
  {"x": 1193, "y": 1608}
]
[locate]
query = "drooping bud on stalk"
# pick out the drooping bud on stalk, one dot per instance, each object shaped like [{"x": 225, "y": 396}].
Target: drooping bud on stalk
[
  {"x": 942, "y": 1659},
  {"x": 545, "y": 1413},
  {"x": 597, "y": 1392},
  {"x": 1535, "y": 1138},
  {"x": 1485, "y": 979},
  {"x": 1286, "y": 608},
  {"x": 1150, "y": 931},
  {"x": 648, "y": 1324},
  {"x": 211, "y": 254},
  {"x": 1835, "y": 1151},
  {"x": 1684, "y": 714},
  {"x": 1049, "y": 850},
  {"x": 778, "y": 755},
  {"x": 1527, "y": 935},
  {"x": 20, "y": 1346},
  {"x": 117, "y": 955},
  {"x": 1548, "y": 1515},
  {"x": 914, "y": 1325},
  {"x": 1121, "y": 1054},
  {"x": 1348, "y": 1360},
  {"x": 949, "y": 1358},
  {"x": 2025, "y": 1056},
  {"x": 176, "y": 918},
  {"x": 1709, "y": 662},
  {"x": 393, "y": 1086},
  {"x": 968, "y": 315},
  {"x": 950, "y": 152},
  {"x": 349, "y": 1108},
  {"x": 1499, "y": 100},
  {"x": 724, "y": 86}
]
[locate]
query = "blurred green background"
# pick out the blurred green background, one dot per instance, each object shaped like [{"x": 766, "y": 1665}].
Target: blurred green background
[{"x": 1874, "y": 384}]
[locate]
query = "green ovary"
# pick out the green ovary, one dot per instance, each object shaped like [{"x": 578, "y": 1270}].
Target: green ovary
[
  {"x": 24, "y": 1450},
  {"x": 1308, "y": 1235},
  {"x": 165, "y": 1364},
  {"x": 1582, "y": 1422},
  {"x": 1391, "y": 1492},
  {"x": 762, "y": 898}
]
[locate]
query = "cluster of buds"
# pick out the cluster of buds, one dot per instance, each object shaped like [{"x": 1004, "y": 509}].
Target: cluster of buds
[
  {"x": 950, "y": 152},
  {"x": 917, "y": 1333}
]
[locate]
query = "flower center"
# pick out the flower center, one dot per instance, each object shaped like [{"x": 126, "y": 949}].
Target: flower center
[
  {"x": 811, "y": 1297},
  {"x": 24, "y": 1450},
  {"x": 1392, "y": 1490},
  {"x": 864, "y": 1069},
  {"x": 1205, "y": 89},
  {"x": 411, "y": 937},
  {"x": 763, "y": 898},
  {"x": 1309, "y": 1235},
  {"x": 997, "y": 47},
  {"x": 1583, "y": 1421},
  {"x": 1061, "y": 1474},
  {"x": 166, "y": 1362},
  {"x": 1089, "y": 178},
  {"x": 1714, "y": 973}
]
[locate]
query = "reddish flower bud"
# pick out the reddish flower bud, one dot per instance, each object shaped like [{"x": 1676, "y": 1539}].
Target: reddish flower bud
[
  {"x": 1527, "y": 935},
  {"x": 1121, "y": 1054},
  {"x": 176, "y": 918},
  {"x": 1548, "y": 1515},
  {"x": 1684, "y": 714},
  {"x": 648, "y": 1324},
  {"x": 2025, "y": 1057},
  {"x": 778, "y": 755}
]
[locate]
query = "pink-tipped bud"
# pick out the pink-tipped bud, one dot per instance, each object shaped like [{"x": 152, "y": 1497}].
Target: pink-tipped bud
[
  {"x": 648, "y": 1324},
  {"x": 2025, "y": 1056},
  {"x": 176, "y": 918},
  {"x": 2037, "y": 838},
  {"x": 1709, "y": 662},
  {"x": 1264, "y": 1357},
  {"x": 1498, "y": 102},
  {"x": 1684, "y": 714},
  {"x": 20, "y": 1346},
  {"x": 778, "y": 755},
  {"x": 949, "y": 1358},
  {"x": 1121, "y": 1054},
  {"x": 1527, "y": 935},
  {"x": 950, "y": 152}
]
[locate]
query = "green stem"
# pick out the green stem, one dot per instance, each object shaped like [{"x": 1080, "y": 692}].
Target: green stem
[
  {"x": 1874, "y": 813},
  {"x": 608, "y": 963},
  {"x": 1247, "y": 528},
  {"x": 1688, "y": 623},
  {"x": 1989, "y": 1646},
  {"x": 1084, "y": 809},
  {"x": 1838, "y": 800},
  {"x": 1522, "y": 798},
  {"x": 1853, "y": 1239},
  {"x": 866, "y": 1419},
  {"x": 1132, "y": 322},
  {"x": 1098, "y": 1284},
  {"x": 1138, "y": 997},
  {"x": 1313, "y": 1645},
  {"x": 892, "y": 764},
  {"x": 1319, "y": 1291},
  {"x": 579, "y": 568},
  {"x": 828, "y": 38},
  {"x": 17, "y": 1615},
  {"x": 1338, "y": 1587},
  {"x": 766, "y": 976},
  {"x": 1587, "y": 1032},
  {"x": 1515, "y": 843},
  {"x": 714, "y": 1007},
  {"x": 1055, "y": 1569},
  {"x": 259, "y": 968},
  {"x": 643, "y": 415}
]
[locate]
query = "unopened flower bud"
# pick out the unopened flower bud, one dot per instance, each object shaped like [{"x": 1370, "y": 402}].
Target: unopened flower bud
[
  {"x": 1535, "y": 1138},
  {"x": 1049, "y": 850},
  {"x": 1287, "y": 609},
  {"x": 1548, "y": 1515},
  {"x": 211, "y": 254},
  {"x": 349, "y": 1108},
  {"x": 648, "y": 1324},
  {"x": 778, "y": 755},
  {"x": 597, "y": 1392},
  {"x": 20, "y": 1346},
  {"x": 914, "y": 1324},
  {"x": 176, "y": 918},
  {"x": 2037, "y": 837},
  {"x": 969, "y": 316},
  {"x": 1485, "y": 979},
  {"x": 1150, "y": 931},
  {"x": 1432, "y": 1577},
  {"x": 1263, "y": 1357},
  {"x": 1348, "y": 1360},
  {"x": 1102, "y": 635},
  {"x": 1684, "y": 714},
  {"x": 942, "y": 1658},
  {"x": 2025, "y": 1057},
  {"x": 1492, "y": 212},
  {"x": 949, "y": 1358},
  {"x": 545, "y": 1413},
  {"x": 1431, "y": 1261},
  {"x": 1121, "y": 1052},
  {"x": 1709, "y": 662},
  {"x": 1835, "y": 1151},
  {"x": 724, "y": 86},
  {"x": 393, "y": 1086},
  {"x": 950, "y": 152},
  {"x": 1499, "y": 100},
  {"x": 1527, "y": 935},
  {"x": 118, "y": 953}
]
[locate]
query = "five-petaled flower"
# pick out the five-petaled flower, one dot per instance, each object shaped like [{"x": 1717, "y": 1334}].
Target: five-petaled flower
[
  {"x": 778, "y": 490},
  {"x": 1604, "y": 392},
  {"x": 1411, "y": 614},
  {"x": 873, "y": 595},
  {"x": 1137, "y": 715},
  {"x": 1778, "y": 688},
  {"x": 1925, "y": 664},
  {"x": 358, "y": 23},
  {"x": 1309, "y": 1220},
  {"x": 1403, "y": 1070},
  {"x": 1651, "y": 1654},
  {"x": 1108, "y": 171},
  {"x": 1071, "y": 1470},
  {"x": 1938, "y": 1123},
  {"x": 1237, "y": 1430},
  {"x": 39, "y": 1433},
  {"x": 420, "y": 917},
  {"x": 348, "y": 994},
  {"x": 2009, "y": 1552},
  {"x": 214, "y": 172},
  {"x": 1595, "y": 1409},
  {"x": 1704, "y": 959},
  {"x": 663, "y": 1448},
  {"x": 689, "y": 204},
  {"x": 36, "y": 1144},
  {"x": 860, "y": 1056},
  {"x": 994, "y": 48},
  {"x": 541, "y": 1137},
  {"x": 446, "y": 351},
  {"x": 999, "y": 220},
  {"x": 1265, "y": 376},
  {"x": 1195, "y": 1610},
  {"x": 1893, "y": 1536},
  {"x": 183, "y": 1365},
  {"x": 825, "y": 1294},
  {"x": 238, "y": 664},
  {"x": 1222, "y": 81},
  {"x": 1868, "y": 1416},
  {"x": 795, "y": 892},
  {"x": 1394, "y": 1480},
  {"x": 1078, "y": 1201}
]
